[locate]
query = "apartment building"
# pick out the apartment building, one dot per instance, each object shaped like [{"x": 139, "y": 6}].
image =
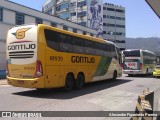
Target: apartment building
[
  {"x": 107, "y": 19},
  {"x": 114, "y": 28},
  {"x": 83, "y": 12}
]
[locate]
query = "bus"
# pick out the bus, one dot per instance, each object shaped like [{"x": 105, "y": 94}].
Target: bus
[
  {"x": 138, "y": 61},
  {"x": 42, "y": 56}
]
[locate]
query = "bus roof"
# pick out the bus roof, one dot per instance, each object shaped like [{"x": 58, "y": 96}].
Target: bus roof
[{"x": 140, "y": 50}]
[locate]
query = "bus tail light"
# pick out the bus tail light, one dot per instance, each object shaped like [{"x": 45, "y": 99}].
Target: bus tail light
[
  {"x": 39, "y": 71},
  {"x": 140, "y": 65},
  {"x": 122, "y": 65}
]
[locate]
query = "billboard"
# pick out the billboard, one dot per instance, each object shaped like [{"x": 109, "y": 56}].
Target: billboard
[
  {"x": 95, "y": 16},
  {"x": 155, "y": 5}
]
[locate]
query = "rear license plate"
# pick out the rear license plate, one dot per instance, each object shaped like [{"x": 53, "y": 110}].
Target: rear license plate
[{"x": 20, "y": 82}]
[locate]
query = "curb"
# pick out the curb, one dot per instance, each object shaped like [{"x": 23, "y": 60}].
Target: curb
[{"x": 3, "y": 82}]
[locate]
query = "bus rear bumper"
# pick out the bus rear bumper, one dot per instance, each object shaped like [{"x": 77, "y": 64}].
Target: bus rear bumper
[
  {"x": 134, "y": 72},
  {"x": 26, "y": 83}
]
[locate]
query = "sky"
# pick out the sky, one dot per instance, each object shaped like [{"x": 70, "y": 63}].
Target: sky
[{"x": 141, "y": 21}]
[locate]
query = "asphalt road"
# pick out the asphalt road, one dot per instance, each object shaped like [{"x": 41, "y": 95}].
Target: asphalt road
[{"x": 117, "y": 95}]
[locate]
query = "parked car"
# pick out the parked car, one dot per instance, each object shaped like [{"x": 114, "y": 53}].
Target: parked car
[{"x": 156, "y": 72}]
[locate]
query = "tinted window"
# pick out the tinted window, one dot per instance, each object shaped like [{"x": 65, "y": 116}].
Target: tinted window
[
  {"x": 134, "y": 53},
  {"x": 91, "y": 34},
  {"x": 74, "y": 30},
  {"x": 73, "y": 14},
  {"x": 67, "y": 43},
  {"x": 52, "y": 39},
  {"x": 63, "y": 6},
  {"x": 39, "y": 21},
  {"x": 80, "y": 4},
  {"x": 81, "y": 14},
  {"x": 65, "y": 27},
  {"x": 78, "y": 41},
  {"x": 54, "y": 24},
  {"x": 90, "y": 47},
  {"x": 79, "y": 45},
  {"x": 117, "y": 10},
  {"x": 19, "y": 19},
  {"x": 110, "y": 9},
  {"x": 84, "y": 33},
  {"x": 104, "y": 32}
]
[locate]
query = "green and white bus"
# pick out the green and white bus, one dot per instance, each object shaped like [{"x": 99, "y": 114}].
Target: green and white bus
[{"x": 138, "y": 61}]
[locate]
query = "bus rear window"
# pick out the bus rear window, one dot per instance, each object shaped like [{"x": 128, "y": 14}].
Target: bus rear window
[{"x": 135, "y": 53}]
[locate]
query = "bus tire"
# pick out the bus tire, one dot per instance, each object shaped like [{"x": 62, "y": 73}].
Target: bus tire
[
  {"x": 79, "y": 83},
  {"x": 40, "y": 89},
  {"x": 130, "y": 75},
  {"x": 115, "y": 75},
  {"x": 147, "y": 72},
  {"x": 69, "y": 83}
]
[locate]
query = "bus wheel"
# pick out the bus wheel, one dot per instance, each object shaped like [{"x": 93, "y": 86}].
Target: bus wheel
[
  {"x": 115, "y": 75},
  {"x": 147, "y": 72},
  {"x": 40, "y": 89},
  {"x": 130, "y": 75},
  {"x": 78, "y": 84},
  {"x": 69, "y": 82}
]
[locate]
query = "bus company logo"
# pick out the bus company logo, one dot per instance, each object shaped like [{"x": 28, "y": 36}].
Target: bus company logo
[
  {"x": 131, "y": 64},
  {"x": 20, "y": 34}
]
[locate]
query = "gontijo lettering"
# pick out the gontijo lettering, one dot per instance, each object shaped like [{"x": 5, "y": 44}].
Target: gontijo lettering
[
  {"x": 21, "y": 47},
  {"x": 81, "y": 59}
]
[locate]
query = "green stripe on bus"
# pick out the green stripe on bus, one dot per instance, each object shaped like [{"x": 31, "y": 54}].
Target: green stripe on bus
[{"x": 103, "y": 66}]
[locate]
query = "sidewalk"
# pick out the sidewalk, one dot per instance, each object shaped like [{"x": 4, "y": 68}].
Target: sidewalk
[{"x": 3, "y": 82}]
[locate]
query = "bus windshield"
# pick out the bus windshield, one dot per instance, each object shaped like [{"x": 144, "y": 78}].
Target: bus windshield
[{"x": 133, "y": 53}]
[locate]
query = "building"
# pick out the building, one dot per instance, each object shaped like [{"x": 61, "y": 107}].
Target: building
[
  {"x": 58, "y": 8},
  {"x": 12, "y": 14},
  {"x": 72, "y": 10},
  {"x": 114, "y": 24},
  {"x": 107, "y": 19},
  {"x": 82, "y": 12},
  {"x": 78, "y": 11}
]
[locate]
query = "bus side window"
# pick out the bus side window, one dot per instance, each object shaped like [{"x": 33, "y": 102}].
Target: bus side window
[
  {"x": 119, "y": 55},
  {"x": 79, "y": 45},
  {"x": 99, "y": 49},
  {"x": 52, "y": 39},
  {"x": 65, "y": 43},
  {"x": 90, "y": 45},
  {"x": 106, "y": 49}
]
